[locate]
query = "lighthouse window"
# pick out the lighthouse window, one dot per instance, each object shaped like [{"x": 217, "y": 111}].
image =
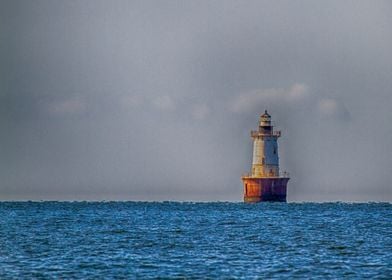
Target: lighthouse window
[
  {"x": 263, "y": 160},
  {"x": 274, "y": 150}
]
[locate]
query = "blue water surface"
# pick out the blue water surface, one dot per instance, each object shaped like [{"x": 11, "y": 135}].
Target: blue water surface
[{"x": 195, "y": 240}]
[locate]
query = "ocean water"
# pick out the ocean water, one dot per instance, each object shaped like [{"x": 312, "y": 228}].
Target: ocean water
[{"x": 40, "y": 240}]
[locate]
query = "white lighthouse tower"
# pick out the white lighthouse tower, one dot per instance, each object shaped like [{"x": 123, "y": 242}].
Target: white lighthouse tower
[
  {"x": 265, "y": 149},
  {"x": 265, "y": 183}
]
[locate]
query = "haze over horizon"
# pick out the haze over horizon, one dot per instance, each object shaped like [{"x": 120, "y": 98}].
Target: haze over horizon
[{"x": 155, "y": 100}]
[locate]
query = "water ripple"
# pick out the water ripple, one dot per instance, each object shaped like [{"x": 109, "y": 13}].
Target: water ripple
[{"x": 195, "y": 240}]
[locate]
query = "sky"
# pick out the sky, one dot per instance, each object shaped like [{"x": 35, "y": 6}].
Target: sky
[{"x": 155, "y": 100}]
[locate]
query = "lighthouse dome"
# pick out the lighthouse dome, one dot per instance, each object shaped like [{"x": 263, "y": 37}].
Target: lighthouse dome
[
  {"x": 265, "y": 119},
  {"x": 265, "y": 115}
]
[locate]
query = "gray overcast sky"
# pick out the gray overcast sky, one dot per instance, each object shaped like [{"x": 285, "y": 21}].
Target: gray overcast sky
[{"x": 154, "y": 100}]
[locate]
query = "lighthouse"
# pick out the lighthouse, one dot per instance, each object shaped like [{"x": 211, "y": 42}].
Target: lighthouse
[{"x": 265, "y": 182}]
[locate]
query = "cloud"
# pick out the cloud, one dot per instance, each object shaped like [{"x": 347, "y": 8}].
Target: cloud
[
  {"x": 70, "y": 106},
  {"x": 122, "y": 69},
  {"x": 164, "y": 103},
  {"x": 132, "y": 101},
  {"x": 332, "y": 108},
  {"x": 250, "y": 101},
  {"x": 296, "y": 96},
  {"x": 297, "y": 92},
  {"x": 200, "y": 111}
]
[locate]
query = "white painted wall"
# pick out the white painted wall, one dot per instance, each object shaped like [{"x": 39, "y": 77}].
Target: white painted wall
[{"x": 265, "y": 156}]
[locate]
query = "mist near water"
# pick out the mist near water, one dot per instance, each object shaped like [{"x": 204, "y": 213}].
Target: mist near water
[{"x": 155, "y": 100}]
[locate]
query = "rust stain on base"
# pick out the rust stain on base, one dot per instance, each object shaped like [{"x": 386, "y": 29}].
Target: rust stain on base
[{"x": 265, "y": 189}]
